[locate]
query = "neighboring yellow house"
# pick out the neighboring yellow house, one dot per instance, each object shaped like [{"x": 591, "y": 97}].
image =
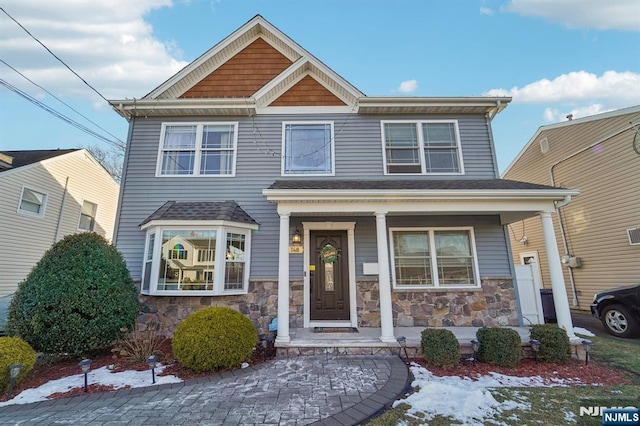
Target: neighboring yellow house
[
  {"x": 599, "y": 233},
  {"x": 44, "y": 196}
]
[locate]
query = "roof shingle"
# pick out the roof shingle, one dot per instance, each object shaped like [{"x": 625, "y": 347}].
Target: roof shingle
[
  {"x": 201, "y": 210},
  {"x": 422, "y": 184}
]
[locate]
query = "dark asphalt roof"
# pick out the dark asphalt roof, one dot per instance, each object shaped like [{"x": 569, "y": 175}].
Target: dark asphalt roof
[
  {"x": 24, "y": 158},
  {"x": 422, "y": 184},
  {"x": 201, "y": 210}
]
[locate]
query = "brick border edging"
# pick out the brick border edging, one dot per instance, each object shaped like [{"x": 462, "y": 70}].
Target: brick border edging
[{"x": 372, "y": 406}]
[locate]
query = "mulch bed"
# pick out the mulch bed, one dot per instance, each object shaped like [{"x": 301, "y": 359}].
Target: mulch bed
[{"x": 593, "y": 373}]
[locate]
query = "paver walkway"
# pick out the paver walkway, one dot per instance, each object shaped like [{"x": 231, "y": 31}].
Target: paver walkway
[{"x": 325, "y": 390}]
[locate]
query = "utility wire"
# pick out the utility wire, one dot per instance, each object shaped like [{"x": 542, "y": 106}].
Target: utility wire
[
  {"x": 65, "y": 104},
  {"x": 58, "y": 114},
  {"x": 54, "y": 55}
]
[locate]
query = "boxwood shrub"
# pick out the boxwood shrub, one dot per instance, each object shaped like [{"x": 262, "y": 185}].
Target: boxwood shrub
[
  {"x": 76, "y": 299},
  {"x": 499, "y": 346},
  {"x": 554, "y": 343},
  {"x": 14, "y": 350},
  {"x": 440, "y": 347},
  {"x": 213, "y": 339}
]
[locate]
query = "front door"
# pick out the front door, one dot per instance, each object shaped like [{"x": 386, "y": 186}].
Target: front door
[{"x": 329, "y": 275}]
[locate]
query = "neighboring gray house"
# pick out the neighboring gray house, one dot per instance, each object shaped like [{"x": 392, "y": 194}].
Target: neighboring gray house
[
  {"x": 260, "y": 179},
  {"x": 45, "y": 195}
]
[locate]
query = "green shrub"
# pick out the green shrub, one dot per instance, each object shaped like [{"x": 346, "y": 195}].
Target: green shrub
[
  {"x": 75, "y": 299},
  {"x": 440, "y": 347},
  {"x": 14, "y": 350},
  {"x": 499, "y": 346},
  {"x": 554, "y": 343},
  {"x": 214, "y": 338}
]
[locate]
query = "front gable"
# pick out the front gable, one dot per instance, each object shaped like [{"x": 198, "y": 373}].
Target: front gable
[{"x": 308, "y": 92}]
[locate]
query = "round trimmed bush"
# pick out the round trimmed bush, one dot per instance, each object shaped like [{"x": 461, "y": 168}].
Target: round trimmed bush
[
  {"x": 440, "y": 347},
  {"x": 499, "y": 346},
  {"x": 554, "y": 343},
  {"x": 76, "y": 299},
  {"x": 213, "y": 339},
  {"x": 14, "y": 350}
]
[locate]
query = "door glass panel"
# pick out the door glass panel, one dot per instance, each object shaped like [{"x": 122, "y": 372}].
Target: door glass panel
[{"x": 328, "y": 277}]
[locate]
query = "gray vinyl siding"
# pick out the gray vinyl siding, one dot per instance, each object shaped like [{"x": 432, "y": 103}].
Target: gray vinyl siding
[{"x": 358, "y": 152}]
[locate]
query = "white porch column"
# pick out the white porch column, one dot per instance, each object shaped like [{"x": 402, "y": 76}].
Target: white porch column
[
  {"x": 560, "y": 299},
  {"x": 283, "y": 281},
  {"x": 386, "y": 309}
]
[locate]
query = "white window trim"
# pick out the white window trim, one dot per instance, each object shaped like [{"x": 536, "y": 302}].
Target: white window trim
[
  {"x": 284, "y": 151},
  {"x": 421, "y": 147},
  {"x": 434, "y": 261},
  {"x": 44, "y": 202},
  {"x": 222, "y": 228},
  {"x": 95, "y": 218},
  {"x": 198, "y": 148}
]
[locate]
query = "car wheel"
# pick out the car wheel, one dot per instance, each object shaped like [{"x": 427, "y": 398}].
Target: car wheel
[{"x": 618, "y": 321}]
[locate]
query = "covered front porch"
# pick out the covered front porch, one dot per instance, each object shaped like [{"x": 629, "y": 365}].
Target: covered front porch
[{"x": 397, "y": 205}]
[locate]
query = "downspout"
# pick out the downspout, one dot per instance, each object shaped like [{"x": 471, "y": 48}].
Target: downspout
[
  {"x": 566, "y": 201},
  {"x": 125, "y": 163},
  {"x": 488, "y": 119},
  {"x": 64, "y": 199}
]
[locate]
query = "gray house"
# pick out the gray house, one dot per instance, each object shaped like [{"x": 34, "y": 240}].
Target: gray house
[{"x": 258, "y": 178}]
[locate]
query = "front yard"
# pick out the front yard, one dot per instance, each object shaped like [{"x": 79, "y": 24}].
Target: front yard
[{"x": 528, "y": 394}]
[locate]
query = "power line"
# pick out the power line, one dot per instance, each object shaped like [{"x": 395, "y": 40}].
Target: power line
[
  {"x": 65, "y": 104},
  {"x": 54, "y": 55},
  {"x": 58, "y": 114}
]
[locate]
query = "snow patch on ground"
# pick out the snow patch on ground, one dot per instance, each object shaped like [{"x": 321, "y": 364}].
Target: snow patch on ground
[
  {"x": 100, "y": 376},
  {"x": 468, "y": 400},
  {"x": 582, "y": 331}
]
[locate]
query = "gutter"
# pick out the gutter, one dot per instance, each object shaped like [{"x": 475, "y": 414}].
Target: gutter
[{"x": 561, "y": 204}]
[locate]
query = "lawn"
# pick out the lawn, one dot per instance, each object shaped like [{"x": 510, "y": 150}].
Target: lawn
[{"x": 450, "y": 399}]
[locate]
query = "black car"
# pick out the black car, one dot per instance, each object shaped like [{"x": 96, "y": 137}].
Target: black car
[{"x": 619, "y": 310}]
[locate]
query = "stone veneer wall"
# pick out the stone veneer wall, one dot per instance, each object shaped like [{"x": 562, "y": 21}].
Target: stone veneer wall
[
  {"x": 493, "y": 304},
  {"x": 259, "y": 305}
]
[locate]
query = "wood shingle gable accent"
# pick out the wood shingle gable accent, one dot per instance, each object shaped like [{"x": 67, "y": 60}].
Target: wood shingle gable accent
[
  {"x": 243, "y": 74},
  {"x": 308, "y": 92}
]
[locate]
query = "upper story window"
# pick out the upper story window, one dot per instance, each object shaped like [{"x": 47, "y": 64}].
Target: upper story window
[
  {"x": 421, "y": 147},
  {"x": 433, "y": 258},
  {"x": 88, "y": 216},
  {"x": 307, "y": 148},
  {"x": 197, "y": 149},
  {"x": 32, "y": 202}
]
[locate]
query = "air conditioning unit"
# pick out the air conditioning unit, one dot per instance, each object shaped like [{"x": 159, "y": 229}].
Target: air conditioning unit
[
  {"x": 544, "y": 145},
  {"x": 634, "y": 236}
]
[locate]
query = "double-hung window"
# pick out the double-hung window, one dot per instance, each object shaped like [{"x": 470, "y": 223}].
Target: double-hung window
[
  {"x": 421, "y": 147},
  {"x": 88, "y": 212},
  {"x": 196, "y": 260},
  {"x": 197, "y": 149},
  {"x": 32, "y": 202},
  {"x": 308, "y": 148},
  {"x": 434, "y": 257}
]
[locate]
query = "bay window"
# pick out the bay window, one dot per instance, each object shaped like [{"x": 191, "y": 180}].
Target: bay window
[
  {"x": 196, "y": 259},
  {"x": 197, "y": 149},
  {"x": 433, "y": 258},
  {"x": 421, "y": 147}
]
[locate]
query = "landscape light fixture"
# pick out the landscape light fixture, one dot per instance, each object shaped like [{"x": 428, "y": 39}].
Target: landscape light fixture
[
  {"x": 14, "y": 372},
  {"x": 475, "y": 345},
  {"x": 85, "y": 365},
  {"x": 402, "y": 341},
  {"x": 535, "y": 345},
  {"x": 587, "y": 344},
  {"x": 151, "y": 361}
]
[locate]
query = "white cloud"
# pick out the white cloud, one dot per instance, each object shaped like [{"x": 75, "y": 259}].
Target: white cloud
[
  {"x": 486, "y": 11},
  {"x": 613, "y": 87},
  {"x": 408, "y": 86},
  {"x": 553, "y": 115},
  {"x": 107, "y": 42},
  {"x": 599, "y": 14}
]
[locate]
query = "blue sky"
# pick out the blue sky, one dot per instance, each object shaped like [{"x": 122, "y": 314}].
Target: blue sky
[{"x": 554, "y": 57}]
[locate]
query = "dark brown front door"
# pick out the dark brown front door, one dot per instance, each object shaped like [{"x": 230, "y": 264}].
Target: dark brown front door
[{"x": 329, "y": 275}]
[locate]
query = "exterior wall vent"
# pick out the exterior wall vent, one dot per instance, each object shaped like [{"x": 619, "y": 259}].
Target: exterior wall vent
[
  {"x": 634, "y": 236},
  {"x": 544, "y": 145}
]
